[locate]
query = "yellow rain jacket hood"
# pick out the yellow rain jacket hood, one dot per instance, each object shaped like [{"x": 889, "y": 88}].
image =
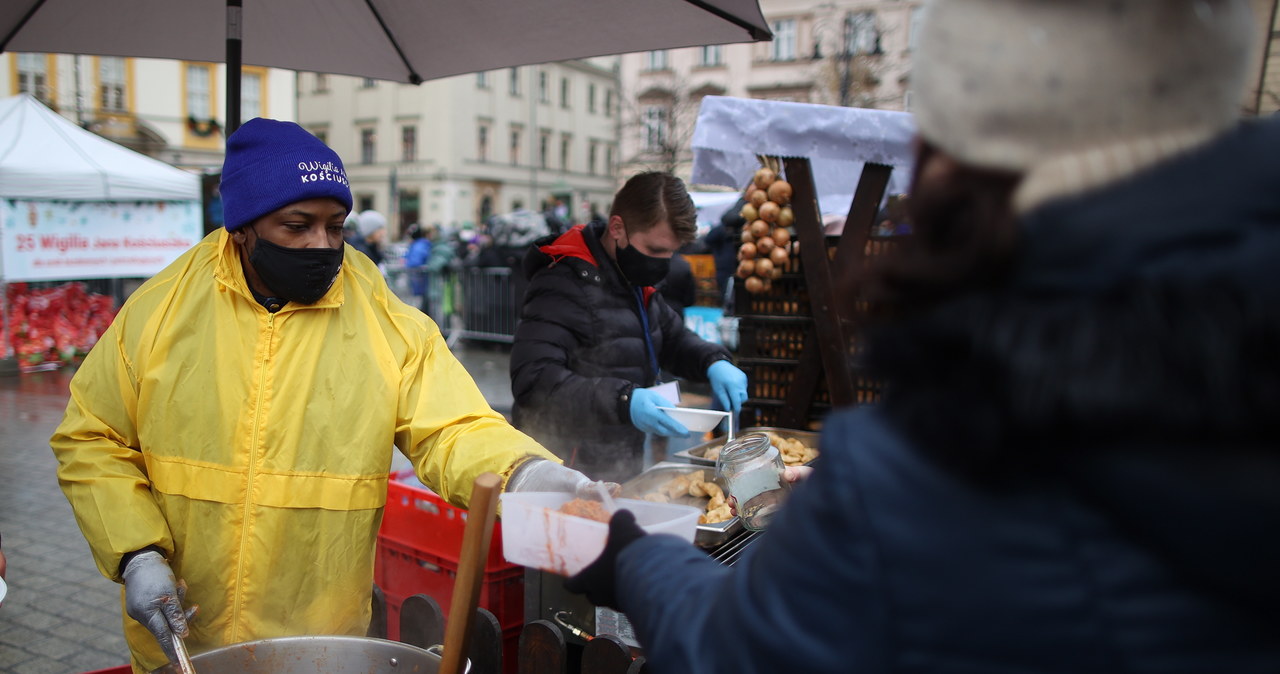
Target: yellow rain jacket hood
[{"x": 254, "y": 448}]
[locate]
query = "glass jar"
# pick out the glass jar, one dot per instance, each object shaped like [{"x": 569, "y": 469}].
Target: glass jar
[{"x": 751, "y": 471}]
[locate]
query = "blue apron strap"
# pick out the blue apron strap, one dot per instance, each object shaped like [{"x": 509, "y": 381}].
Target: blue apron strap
[{"x": 648, "y": 341}]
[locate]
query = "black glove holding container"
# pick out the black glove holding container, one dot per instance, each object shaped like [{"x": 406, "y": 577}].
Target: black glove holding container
[{"x": 599, "y": 580}]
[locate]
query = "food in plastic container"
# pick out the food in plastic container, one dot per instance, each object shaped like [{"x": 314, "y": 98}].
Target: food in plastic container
[
  {"x": 580, "y": 507},
  {"x": 536, "y": 534}
]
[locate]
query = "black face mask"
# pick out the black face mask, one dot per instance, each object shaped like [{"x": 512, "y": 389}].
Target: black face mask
[
  {"x": 640, "y": 269},
  {"x": 301, "y": 275}
]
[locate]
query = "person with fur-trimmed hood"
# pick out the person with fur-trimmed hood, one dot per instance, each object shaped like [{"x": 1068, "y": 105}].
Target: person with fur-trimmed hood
[{"x": 1076, "y": 461}]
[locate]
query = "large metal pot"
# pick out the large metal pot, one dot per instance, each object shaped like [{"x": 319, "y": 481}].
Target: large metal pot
[{"x": 315, "y": 655}]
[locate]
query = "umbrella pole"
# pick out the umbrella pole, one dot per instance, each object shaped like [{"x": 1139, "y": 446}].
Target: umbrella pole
[{"x": 234, "y": 28}]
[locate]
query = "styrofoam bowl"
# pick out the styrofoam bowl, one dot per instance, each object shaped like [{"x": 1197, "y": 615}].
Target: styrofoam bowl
[
  {"x": 537, "y": 535},
  {"x": 696, "y": 420}
]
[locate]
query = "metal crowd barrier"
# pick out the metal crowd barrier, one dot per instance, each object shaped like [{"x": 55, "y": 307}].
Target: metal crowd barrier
[
  {"x": 476, "y": 303},
  {"x": 487, "y": 304}
]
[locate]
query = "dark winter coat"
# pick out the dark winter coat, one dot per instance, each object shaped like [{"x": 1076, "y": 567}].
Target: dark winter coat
[
  {"x": 723, "y": 241},
  {"x": 679, "y": 288},
  {"x": 579, "y": 351},
  {"x": 1077, "y": 473}
]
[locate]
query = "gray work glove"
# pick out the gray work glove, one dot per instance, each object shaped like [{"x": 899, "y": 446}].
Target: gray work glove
[
  {"x": 154, "y": 598},
  {"x": 543, "y": 475}
]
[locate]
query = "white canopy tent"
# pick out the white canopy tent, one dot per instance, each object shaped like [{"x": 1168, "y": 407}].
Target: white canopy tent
[
  {"x": 731, "y": 132},
  {"x": 45, "y": 156},
  {"x": 74, "y": 205}
]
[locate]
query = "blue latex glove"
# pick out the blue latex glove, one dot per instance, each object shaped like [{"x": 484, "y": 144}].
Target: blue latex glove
[
  {"x": 728, "y": 385},
  {"x": 646, "y": 416}
]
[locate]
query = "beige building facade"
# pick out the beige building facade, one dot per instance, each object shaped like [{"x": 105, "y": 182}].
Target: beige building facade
[
  {"x": 454, "y": 151},
  {"x": 171, "y": 110},
  {"x": 839, "y": 52},
  {"x": 834, "y": 52}
]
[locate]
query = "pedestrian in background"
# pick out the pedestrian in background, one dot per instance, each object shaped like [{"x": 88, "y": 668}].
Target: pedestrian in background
[
  {"x": 372, "y": 228},
  {"x": 1074, "y": 466},
  {"x": 415, "y": 262},
  {"x": 234, "y": 427},
  {"x": 594, "y": 334},
  {"x": 679, "y": 288},
  {"x": 723, "y": 242}
]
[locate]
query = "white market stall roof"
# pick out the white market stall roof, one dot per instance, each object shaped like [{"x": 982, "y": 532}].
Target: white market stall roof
[
  {"x": 730, "y": 132},
  {"x": 46, "y": 157}
]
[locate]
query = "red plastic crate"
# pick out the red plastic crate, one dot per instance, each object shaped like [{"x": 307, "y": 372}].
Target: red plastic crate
[
  {"x": 402, "y": 571},
  {"x": 125, "y": 669},
  {"x": 420, "y": 520}
]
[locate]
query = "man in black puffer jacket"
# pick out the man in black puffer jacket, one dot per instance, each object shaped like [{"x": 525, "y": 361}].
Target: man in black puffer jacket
[{"x": 593, "y": 334}]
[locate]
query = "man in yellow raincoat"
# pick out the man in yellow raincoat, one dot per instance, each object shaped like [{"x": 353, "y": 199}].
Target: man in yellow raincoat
[{"x": 234, "y": 426}]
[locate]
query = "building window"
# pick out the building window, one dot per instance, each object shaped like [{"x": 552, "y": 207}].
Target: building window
[
  {"x": 656, "y": 60},
  {"x": 608, "y": 159},
  {"x": 543, "y": 96},
  {"x": 322, "y": 83},
  {"x": 33, "y": 76},
  {"x": 591, "y": 97},
  {"x": 482, "y": 80},
  {"x": 564, "y": 92},
  {"x": 565, "y": 145},
  {"x": 322, "y": 135},
  {"x": 199, "y": 105},
  {"x": 544, "y": 148},
  {"x": 513, "y": 81},
  {"x": 608, "y": 102},
  {"x": 591, "y": 157},
  {"x": 368, "y": 83},
  {"x": 111, "y": 81},
  {"x": 655, "y": 128},
  {"x": 860, "y": 34},
  {"x": 250, "y": 96},
  {"x": 783, "y": 47},
  {"x": 515, "y": 146},
  {"x": 368, "y": 146},
  {"x": 364, "y": 202},
  {"x": 482, "y": 142},
  {"x": 710, "y": 56},
  {"x": 914, "y": 39},
  {"x": 409, "y": 143}
]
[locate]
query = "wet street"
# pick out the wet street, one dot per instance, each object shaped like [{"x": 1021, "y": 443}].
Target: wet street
[{"x": 61, "y": 616}]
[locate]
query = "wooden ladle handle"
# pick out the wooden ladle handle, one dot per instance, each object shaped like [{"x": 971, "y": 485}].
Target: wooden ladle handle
[{"x": 466, "y": 589}]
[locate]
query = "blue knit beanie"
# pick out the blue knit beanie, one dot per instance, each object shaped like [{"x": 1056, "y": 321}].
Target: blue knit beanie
[{"x": 271, "y": 164}]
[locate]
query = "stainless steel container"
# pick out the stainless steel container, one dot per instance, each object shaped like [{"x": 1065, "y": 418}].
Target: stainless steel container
[
  {"x": 707, "y": 535},
  {"x": 315, "y": 655},
  {"x": 697, "y": 454}
]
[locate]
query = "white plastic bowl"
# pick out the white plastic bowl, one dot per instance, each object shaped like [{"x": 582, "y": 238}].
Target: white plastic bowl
[
  {"x": 4, "y": 589},
  {"x": 537, "y": 535},
  {"x": 698, "y": 421}
]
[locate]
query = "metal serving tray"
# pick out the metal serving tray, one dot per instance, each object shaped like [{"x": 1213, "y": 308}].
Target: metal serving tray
[
  {"x": 708, "y": 535},
  {"x": 696, "y": 454}
]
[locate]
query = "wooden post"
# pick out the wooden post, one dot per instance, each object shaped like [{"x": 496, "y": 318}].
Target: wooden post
[
  {"x": 486, "y": 643},
  {"x": 378, "y": 624},
  {"x": 421, "y": 621},
  {"x": 542, "y": 649},
  {"x": 606, "y": 654},
  {"x": 832, "y": 342}
]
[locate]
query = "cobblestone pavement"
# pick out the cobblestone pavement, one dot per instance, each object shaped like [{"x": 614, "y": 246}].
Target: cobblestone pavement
[{"x": 61, "y": 616}]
